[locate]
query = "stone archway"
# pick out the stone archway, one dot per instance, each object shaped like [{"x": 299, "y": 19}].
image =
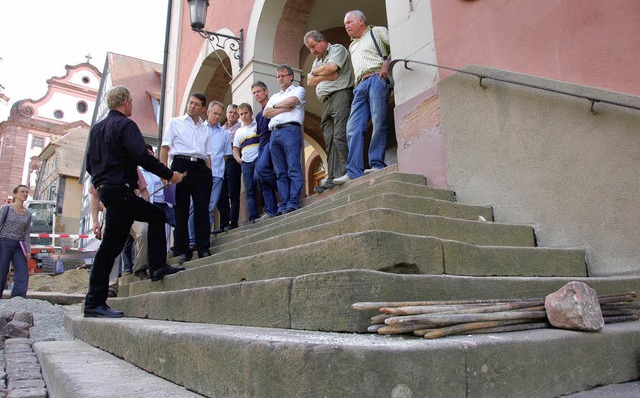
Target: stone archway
[
  {"x": 274, "y": 36},
  {"x": 298, "y": 17}
]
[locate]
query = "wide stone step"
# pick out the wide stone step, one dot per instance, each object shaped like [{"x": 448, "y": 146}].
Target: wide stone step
[
  {"x": 224, "y": 249},
  {"x": 74, "y": 369},
  {"x": 407, "y": 184},
  {"x": 408, "y": 204},
  {"x": 466, "y": 259},
  {"x": 232, "y": 361},
  {"x": 391, "y": 173},
  {"x": 333, "y": 202},
  {"x": 322, "y": 301},
  {"x": 299, "y": 231},
  {"x": 374, "y": 250}
]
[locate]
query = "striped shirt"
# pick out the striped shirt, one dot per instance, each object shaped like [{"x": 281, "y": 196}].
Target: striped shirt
[
  {"x": 364, "y": 55},
  {"x": 248, "y": 140},
  {"x": 16, "y": 226}
]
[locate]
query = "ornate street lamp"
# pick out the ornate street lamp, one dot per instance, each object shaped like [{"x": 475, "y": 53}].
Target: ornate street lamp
[{"x": 198, "y": 11}]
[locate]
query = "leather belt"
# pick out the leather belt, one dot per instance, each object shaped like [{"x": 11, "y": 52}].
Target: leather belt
[
  {"x": 189, "y": 158},
  {"x": 102, "y": 186},
  {"x": 279, "y": 126},
  {"x": 366, "y": 76}
]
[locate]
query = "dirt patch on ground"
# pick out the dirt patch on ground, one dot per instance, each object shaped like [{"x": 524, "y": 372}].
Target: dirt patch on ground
[{"x": 71, "y": 281}]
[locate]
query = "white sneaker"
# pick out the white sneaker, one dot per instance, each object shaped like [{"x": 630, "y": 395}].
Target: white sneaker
[
  {"x": 369, "y": 171},
  {"x": 342, "y": 180}
]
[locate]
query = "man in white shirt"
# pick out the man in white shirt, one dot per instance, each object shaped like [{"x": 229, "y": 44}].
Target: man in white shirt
[
  {"x": 221, "y": 152},
  {"x": 286, "y": 111},
  {"x": 245, "y": 152},
  {"x": 187, "y": 141}
]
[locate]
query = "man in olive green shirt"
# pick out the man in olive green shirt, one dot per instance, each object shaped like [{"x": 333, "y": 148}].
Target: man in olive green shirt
[{"x": 332, "y": 75}]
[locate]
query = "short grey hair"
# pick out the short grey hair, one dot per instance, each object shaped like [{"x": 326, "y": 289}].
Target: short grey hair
[
  {"x": 259, "y": 83},
  {"x": 232, "y": 106},
  {"x": 315, "y": 35},
  {"x": 358, "y": 14},
  {"x": 117, "y": 96},
  {"x": 214, "y": 103}
]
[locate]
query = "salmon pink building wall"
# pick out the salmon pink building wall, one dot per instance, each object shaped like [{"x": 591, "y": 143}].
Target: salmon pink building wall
[
  {"x": 230, "y": 14},
  {"x": 588, "y": 42}
]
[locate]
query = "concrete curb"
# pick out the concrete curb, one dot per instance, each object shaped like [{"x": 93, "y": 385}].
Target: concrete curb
[{"x": 74, "y": 369}]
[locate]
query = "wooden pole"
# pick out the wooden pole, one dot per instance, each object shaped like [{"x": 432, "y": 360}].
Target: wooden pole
[
  {"x": 445, "y": 319},
  {"x": 467, "y": 327}
]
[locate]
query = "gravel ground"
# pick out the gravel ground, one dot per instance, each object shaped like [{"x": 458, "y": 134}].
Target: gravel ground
[{"x": 48, "y": 319}]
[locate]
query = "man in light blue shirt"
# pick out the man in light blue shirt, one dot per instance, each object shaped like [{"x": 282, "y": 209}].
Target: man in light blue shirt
[{"x": 221, "y": 151}]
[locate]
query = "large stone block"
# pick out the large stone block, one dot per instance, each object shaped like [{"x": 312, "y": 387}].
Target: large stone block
[
  {"x": 225, "y": 361},
  {"x": 261, "y": 303},
  {"x": 377, "y": 250},
  {"x": 465, "y": 259},
  {"x": 551, "y": 362}
]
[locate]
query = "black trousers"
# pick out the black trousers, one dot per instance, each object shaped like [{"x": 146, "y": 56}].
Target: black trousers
[
  {"x": 195, "y": 186},
  {"x": 123, "y": 207},
  {"x": 229, "y": 203}
]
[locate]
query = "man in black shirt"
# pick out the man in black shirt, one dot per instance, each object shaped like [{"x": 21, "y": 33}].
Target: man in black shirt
[{"x": 116, "y": 148}]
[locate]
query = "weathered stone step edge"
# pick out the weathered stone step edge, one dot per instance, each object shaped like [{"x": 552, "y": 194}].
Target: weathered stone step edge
[
  {"x": 222, "y": 361},
  {"x": 340, "y": 289},
  {"x": 376, "y": 250},
  {"x": 322, "y": 301},
  {"x": 389, "y": 174},
  {"x": 410, "y": 204},
  {"x": 399, "y": 182},
  {"x": 75, "y": 369},
  {"x": 407, "y": 204},
  {"x": 474, "y": 260},
  {"x": 336, "y": 201},
  {"x": 475, "y": 232}
]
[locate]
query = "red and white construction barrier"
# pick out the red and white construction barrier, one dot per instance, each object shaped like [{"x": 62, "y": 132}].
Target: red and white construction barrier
[{"x": 49, "y": 236}]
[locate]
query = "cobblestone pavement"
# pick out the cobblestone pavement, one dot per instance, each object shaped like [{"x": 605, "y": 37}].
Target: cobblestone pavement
[{"x": 22, "y": 377}]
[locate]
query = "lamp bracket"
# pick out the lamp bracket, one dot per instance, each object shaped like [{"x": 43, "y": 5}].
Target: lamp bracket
[{"x": 220, "y": 40}]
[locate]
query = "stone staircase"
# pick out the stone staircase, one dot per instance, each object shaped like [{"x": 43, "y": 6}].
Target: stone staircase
[{"x": 269, "y": 314}]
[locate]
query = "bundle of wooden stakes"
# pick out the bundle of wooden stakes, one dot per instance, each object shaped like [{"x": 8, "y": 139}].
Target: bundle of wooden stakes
[{"x": 434, "y": 319}]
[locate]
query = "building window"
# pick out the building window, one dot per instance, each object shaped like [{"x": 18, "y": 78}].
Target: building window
[
  {"x": 38, "y": 142},
  {"x": 81, "y": 106},
  {"x": 85, "y": 80},
  {"x": 58, "y": 114}
]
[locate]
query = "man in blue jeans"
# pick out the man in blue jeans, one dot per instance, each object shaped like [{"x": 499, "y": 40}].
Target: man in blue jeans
[
  {"x": 286, "y": 111},
  {"x": 370, "y": 58},
  {"x": 264, "y": 175}
]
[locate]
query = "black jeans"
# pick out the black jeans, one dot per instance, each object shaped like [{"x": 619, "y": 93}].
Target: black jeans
[
  {"x": 195, "y": 186},
  {"x": 123, "y": 207},
  {"x": 230, "y": 193}
]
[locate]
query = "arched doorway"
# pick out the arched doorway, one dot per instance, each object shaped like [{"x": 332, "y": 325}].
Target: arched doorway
[{"x": 295, "y": 18}]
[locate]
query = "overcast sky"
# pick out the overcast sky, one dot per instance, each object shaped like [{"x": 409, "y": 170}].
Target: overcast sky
[{"x": 39, "y": 37}]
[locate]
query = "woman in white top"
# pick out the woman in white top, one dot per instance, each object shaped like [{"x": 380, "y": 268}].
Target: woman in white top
[{"x": 15, "y": 243}]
